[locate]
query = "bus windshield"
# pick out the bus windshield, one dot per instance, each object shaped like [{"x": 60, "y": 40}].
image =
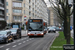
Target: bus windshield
[{"x": 35, "y": 26}]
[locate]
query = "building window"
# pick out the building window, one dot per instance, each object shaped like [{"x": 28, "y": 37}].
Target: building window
[
  {"x": 29, "y": 7},
  {"x": 7, "y": 10},
  {"x": 29, "y": 1},
  {"x": 17, "y": 11},
  {"x": 17, "y": 18},
  {"x": 33, "y": 9},
  {"x": 1, "y": 13},
  {"x": 24, "y": 11},
  {"x": 33, "y": 15},
  {"x": 24, "y": 4},
  {"x": 6, "y": 17},
  {"x": 7, "y": 3},
  {"x": 29, "y": 13},
  {"x": 1, "y": 1},
  {"x": 16, "y": 4}
]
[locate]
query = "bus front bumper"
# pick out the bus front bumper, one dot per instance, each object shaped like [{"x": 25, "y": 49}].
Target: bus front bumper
[{"x": 35, "y": 34}]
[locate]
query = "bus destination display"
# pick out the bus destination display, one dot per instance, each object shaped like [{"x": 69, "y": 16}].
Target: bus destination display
[{"x": 35, "y": 20}]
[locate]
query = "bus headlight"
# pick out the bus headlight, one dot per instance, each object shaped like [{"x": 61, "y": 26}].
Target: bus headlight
[
  {"x": 54, "y": 29},
  {"x": 41, "y": 33},
  {"x": 28, "y": 33}
]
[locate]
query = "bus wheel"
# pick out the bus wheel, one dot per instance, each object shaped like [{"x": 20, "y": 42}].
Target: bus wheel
[{"x": 42, "y": 36}]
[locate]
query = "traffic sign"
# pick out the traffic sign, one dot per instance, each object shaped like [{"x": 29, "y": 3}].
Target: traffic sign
[{"x": 24, "y": 18}]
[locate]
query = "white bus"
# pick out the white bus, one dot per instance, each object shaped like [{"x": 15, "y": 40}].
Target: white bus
[{"x": 35, "y": 27}]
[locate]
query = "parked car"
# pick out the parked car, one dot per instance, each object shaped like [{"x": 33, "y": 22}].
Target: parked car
[
  {"x": 45, "y": 30},
  {"x": 51, "y": 29},
  {"x": 59, "y": 29},
  {"x": 7, "y": 27},
  {"x": 16, "y": 32},
  {"x": 6, "y": 36}
]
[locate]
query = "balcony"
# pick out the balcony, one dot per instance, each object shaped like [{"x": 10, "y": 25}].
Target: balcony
[
  {"x": 17, "y": 21},
  {"x": 17, "y": 14},
  {"x": 2, "y": 15},
  {"x": 1, "y": 8},
  {"x": 1, "y": 19},
  {"x": 17, "y": 7},
  {"x": 1, "y": 4},
  {"x": 17, "y": 0}
]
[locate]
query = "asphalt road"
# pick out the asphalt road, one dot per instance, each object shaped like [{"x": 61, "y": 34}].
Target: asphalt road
[{"x": 26, "y": 43}]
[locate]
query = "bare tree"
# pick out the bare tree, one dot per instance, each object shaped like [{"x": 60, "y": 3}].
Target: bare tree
[{"x": 63, "y": 10}]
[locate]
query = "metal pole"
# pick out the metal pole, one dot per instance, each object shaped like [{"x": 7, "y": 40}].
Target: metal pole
[{"x": 74, "y": 20}]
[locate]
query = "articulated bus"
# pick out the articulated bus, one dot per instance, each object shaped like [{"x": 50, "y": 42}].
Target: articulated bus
[{"x": 35, "y": 27}]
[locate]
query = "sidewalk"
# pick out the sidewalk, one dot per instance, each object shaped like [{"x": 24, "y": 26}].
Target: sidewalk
[
  {"x": 24, "y": 33},
  {"x": 72, "y": 33}
]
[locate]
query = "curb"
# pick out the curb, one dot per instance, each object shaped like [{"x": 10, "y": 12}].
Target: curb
[{"x": 52, "y": 41}]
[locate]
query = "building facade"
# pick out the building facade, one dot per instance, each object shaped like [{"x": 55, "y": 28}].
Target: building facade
[
  {"x": 2, "y": 14},
  {"x": 18, "y": 10},
  {"x": 51, "y": 16}
]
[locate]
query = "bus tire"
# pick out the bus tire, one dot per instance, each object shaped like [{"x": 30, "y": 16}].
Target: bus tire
[{"x": 42, "y": 36}]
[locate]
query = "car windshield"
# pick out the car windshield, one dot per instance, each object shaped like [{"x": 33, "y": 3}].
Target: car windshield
[
  {"x": 13, "y": 30},
  {"x": 2, "y": 32},
  {"x": 51, "y": 28},
  {"x": 57, "y": 27},
  {"x": 35, "y": 26}
]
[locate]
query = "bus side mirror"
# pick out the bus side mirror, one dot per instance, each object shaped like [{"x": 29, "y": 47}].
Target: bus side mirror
[
  {"x": 26, "y": 23},
  {"x": 44, "y": 23}
]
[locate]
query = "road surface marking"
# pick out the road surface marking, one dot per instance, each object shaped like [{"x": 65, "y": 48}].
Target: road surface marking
[
  {"x": 1, "y": 46},
  {"x": 30, "y": 39},
  {"x": 19, "y": 43},
  {"x": 8, "y": 44},
  {"x": 7, "y": 48},
  {"x": 27, "y": 40},
  {"x": 24, "y": 41},
  {"x": 14, "y": 42},
  {"x": 18, "y": 40},
  {"x": 14, "y": 46}
]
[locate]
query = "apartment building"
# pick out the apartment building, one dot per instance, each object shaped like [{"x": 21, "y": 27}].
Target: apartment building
[
  {"x": 2, "y": 14},
  {"x": 38, "y": 10},
  {"x": 51, "y": 16},
  {"x": 18, "y": 10},
  {"x": 15, "y": 11}
]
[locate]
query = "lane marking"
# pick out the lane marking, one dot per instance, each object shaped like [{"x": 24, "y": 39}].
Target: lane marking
[
  {"x": 1, "y": 46},
  {"x": 24, "y": 41},
  {"x": 18, "y": 40},
  {"x": 27, "y": 40},
  {"x": 19, "y": 43},
  {"x": 8, "y": 44},
  {"x": 7, "y": 48},
  {"x": 14, "y": 46},
  {"x": 14, "y": 42}
]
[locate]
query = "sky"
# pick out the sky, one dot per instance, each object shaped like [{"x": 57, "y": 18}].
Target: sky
[{"x": 48, "y": 3}]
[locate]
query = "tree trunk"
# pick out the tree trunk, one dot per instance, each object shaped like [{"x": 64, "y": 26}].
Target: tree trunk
[
  {"x": 68, "y": 30},
  {"x": 65, "y": 26}
]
